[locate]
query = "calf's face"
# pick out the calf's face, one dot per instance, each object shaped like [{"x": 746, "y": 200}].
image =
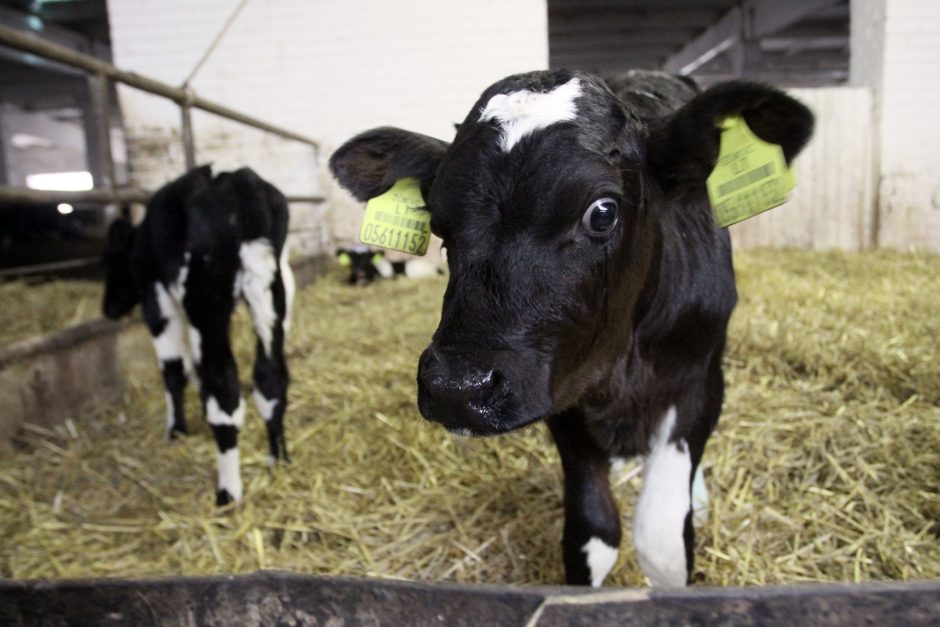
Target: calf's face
[{"x": 547, "y": 202}]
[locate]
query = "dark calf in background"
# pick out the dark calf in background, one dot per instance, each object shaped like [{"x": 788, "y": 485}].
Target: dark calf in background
[
  {"x": 589, "y": 284},
  {"x": 204, "y": 243},
  {"x": 366, "y": 265}
]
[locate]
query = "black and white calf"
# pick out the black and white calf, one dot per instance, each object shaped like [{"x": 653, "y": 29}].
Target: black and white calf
[
  {"x": 206, "y": 242},
  {"x": 366, "y": 265},
  {"x": 589, "y": 284}
]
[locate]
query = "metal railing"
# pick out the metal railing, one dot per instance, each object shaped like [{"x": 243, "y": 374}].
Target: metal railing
[{"x": 100, "y": 76}]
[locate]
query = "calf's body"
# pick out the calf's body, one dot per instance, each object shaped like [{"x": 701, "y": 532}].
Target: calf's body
[
  {"x": 589, "y": 284},
  {"x": 205, "y": 243}
]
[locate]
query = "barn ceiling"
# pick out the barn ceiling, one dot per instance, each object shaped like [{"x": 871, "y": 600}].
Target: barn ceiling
[{"x": 803, "y": 43}]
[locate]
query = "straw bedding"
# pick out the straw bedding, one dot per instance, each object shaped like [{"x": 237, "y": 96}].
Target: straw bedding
[
  {"x": 825, "y": 465},
  {"x": 34, "y": 308}
]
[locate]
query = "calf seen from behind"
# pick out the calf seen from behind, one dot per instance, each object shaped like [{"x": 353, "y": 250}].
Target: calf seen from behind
[
  {"x": 589, "y": 284},
  {"x": 206, "y": 242}
]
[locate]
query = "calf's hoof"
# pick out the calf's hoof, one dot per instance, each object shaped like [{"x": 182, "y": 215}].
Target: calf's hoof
[
  {"x": 177, "y": 432},
  {"x": 222, "y": 497}
]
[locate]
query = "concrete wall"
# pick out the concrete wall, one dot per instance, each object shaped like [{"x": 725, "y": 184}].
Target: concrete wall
[
  {"x": 324, "y": 68},
  {"x": 832, "y": 205},
  {"x": 896, "y": 53}
]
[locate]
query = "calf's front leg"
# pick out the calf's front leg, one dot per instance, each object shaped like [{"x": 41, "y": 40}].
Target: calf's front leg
[
  {"x": 662, "y": 525},
  {"x": 592, "y": 533}
]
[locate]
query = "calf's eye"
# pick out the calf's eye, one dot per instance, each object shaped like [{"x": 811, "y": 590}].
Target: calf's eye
[{"x": 601, "y": 217}]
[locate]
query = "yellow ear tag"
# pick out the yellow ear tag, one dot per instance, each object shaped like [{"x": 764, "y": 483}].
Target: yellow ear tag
[
  {"x": 751, "y": 175},
  {"x": 398, "y": 219},
  {"x": 344, "y": 260}
]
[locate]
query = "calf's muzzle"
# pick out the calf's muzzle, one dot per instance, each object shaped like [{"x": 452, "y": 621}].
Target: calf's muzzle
[{"x": 464, "y": 393}]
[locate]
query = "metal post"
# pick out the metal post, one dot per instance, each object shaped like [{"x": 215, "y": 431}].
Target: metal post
[
  {"x": 100, "y": 103},
  {"x": 189, "y": 146},
  {"x": 4, "y": 177}
]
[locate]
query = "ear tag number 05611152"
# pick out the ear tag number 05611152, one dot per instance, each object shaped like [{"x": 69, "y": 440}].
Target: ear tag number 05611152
[
  {"x": 751, "y": 175},
  {"x": 398, "y": 219}
]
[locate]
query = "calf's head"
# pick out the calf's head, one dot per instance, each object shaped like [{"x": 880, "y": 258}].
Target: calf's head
[
  {"x": 120, "y": 290},
  {"x": 550, "y": 202}
]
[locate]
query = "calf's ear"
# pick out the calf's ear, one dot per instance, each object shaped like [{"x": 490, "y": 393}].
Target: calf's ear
[
  {"x": 371, "y": 162},
  {"x": 683, "y": 148}
]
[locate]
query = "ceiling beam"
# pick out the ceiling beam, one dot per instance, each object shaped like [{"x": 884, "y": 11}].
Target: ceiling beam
[
  {"x": 674, "y": 38},
  {"x": 604, "y": 56},
  {"x": 629, "y": 20},
  {"x": 792, "y": 45},
  {"x": 750, "y": 20}
]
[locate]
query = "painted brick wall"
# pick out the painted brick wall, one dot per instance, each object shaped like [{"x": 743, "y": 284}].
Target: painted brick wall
[
  {"x": 910, "y": 126},
  {"x": 325, "y": 68},
  {"x": 896, "y": 52}
]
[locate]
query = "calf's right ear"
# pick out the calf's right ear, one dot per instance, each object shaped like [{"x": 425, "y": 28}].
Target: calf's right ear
[
  {"x": 371, "y": 162},
  {"x": 683, "y": 148}
]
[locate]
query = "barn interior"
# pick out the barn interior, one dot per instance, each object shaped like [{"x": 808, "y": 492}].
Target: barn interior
[{"x": 825, "y": 464}]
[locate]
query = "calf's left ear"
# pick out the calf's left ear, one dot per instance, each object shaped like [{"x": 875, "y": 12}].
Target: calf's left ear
[
  {"x": 371, "y": 162},
  {"x": 683, "y": 148}
]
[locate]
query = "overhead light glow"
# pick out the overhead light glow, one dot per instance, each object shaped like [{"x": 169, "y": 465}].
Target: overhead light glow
[
  {"x": 64, "y": 208},
  {"x": 60, "y": 181}
]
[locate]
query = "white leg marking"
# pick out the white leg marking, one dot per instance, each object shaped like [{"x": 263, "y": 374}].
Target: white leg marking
[
  {"x": 230, "y": 478},
  {"x": 659, "y": 522},
  {"x": 169, "y": 344},
  {"x": 216, "y": 416},
  {"x": 290, "y": 288},
  {"x": 259, "y": 266},
  {"x": 265, "y": 406},
  {"x": 178, "y": 287},
  {"x": 169, "y": 411},
  {"x": 195, "y": 344},
  {"x": 524, "y": 112},
  {"x": 384, "y": 267},
  {"x": 700, "y": 507},
  {"x": 601, "y": 557}
]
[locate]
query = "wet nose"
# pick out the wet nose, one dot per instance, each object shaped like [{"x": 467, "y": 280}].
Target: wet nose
[{"x": 458, "y": 393}]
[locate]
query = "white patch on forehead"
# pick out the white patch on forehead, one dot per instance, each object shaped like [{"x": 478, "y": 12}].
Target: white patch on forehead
[{"x": 521, "y": 113}]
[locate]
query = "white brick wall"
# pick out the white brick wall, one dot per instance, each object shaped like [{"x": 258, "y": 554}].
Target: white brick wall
[
  {"x": 896, "y": 52},
  {"x": 324, "y": 68}
]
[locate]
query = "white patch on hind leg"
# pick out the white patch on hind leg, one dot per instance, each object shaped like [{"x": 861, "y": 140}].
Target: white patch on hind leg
[
  {"x": 290, "y": 288},
  {"x": 216, "y": 416},
  {"x": 659, "y": 522},
  {"x": 169, "y": 345},
  {"x": 170, "y": 414},
  {"x": 265, "y": 405},
  {"x": 700, "y": 507},
  {"x": 259, "y": 266},
  {"x": 601, "y": 558}
]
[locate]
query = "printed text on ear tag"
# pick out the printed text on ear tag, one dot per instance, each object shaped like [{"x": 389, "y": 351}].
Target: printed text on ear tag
[
  {"x": 398, "y": 220},
  {"x": 751, "y": 175}
]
